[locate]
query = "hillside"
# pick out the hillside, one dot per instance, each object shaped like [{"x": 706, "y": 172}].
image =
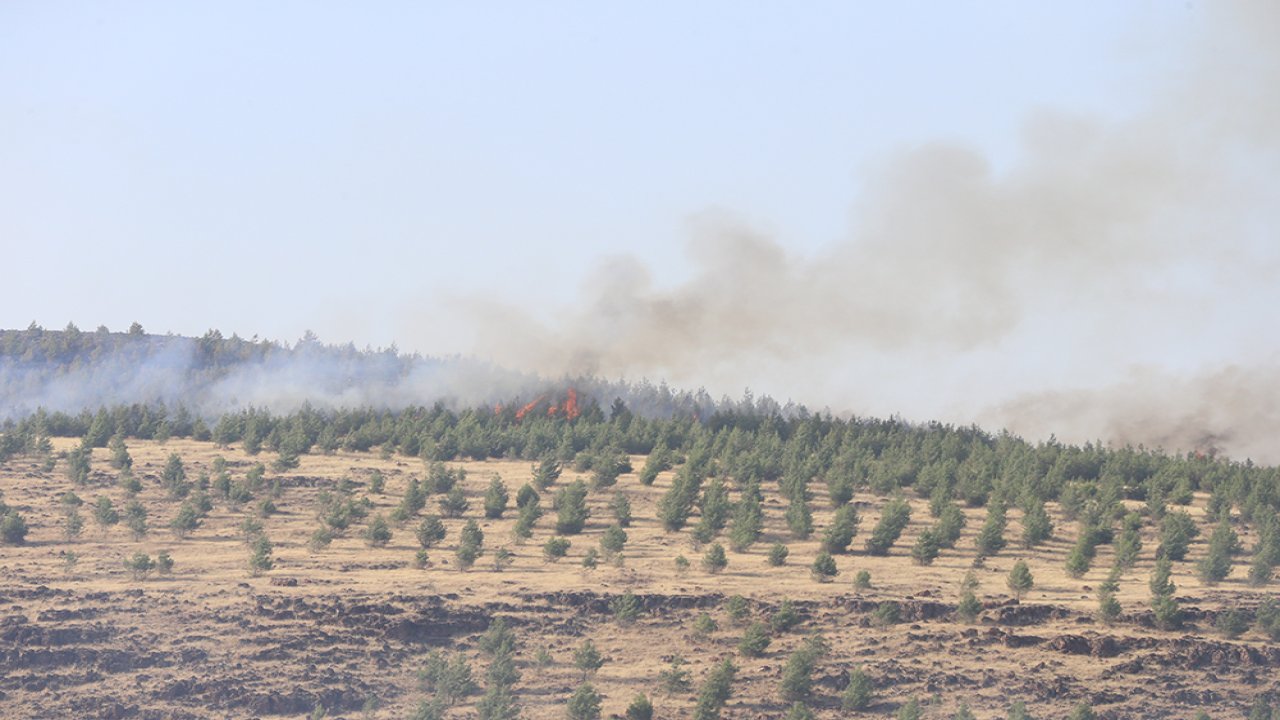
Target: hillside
[{"x": 351, "y": 626}]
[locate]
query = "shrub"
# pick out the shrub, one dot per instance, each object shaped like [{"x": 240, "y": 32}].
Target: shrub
[
  {"x": 621, "y": 508},
  {"x": 893, "y": 520},
  {"x": 377, "y": 534},
  {"x": 1108, "y": 607},
  {"x": 495, "y": 498},
  {"x": 910, "y": 710},
  {"x": 887, "y": 613},
  {"x": 748, "y": 520},
  {"x": 799, "y": 711},
  {"x": 862, "y": 580},
  {"x": 454, "y": 503},
  {"x": 704, "y": 625},
  {"x": 735, "y": 606},
  {"x": 968, "y": 607},
  {"x": 858, "y": 692},
  {"x": 1232, "y": 623},
  {"x": 466, "y": 556},
  {"x": 1020, "y": 579},
  {"x": 1082, "y": 712},
  {"x": 1268, "y": 618},
  {"x": 140, "y": 565},
  {"x": 990, "y": 539},
  {"x": 260, "y": 559},
  {"x": 1166, "y": 612},
  {"x": 675, "y": 680},
  {"x": 613, "y": 540},
  {"x": 13, "y": 528},
  {"x": 430, "y": 531},
  {"x": 1036, "y": 526},
  {"x": 555, "y": 548},
  {"x": 571, "y": 508},
  {"x": 639, "y": 709},
  {"x": 927, "y": 548},
  {"x": 584, "y": 704},
  {"x": 755, "y": 640},
  {"x": 840, "y": 533},
  {"x": 587, "y": 658},
  {"x": 785, "y": 618},
  {"x": 797, "y": 673},
  {"x": 715, "y": 691},
  {"x": 1176, "y": 533},
  {"x": 104, "y": 512},
  {"x": 185, "y": 521},
  {"x": 778, "y": 554},
  {"x": 502, "y": 559},
  {"x": 714, "y": 560},
  {"x": 625, "y": 608},
  {"x": 72, "y": 524},
  {"x": 449, "y": 678},
  {"x": 824, "y": 567}
]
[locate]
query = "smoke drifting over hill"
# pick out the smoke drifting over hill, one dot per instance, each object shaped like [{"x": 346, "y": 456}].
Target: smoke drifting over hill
[{"x": 1027, "y": 294}]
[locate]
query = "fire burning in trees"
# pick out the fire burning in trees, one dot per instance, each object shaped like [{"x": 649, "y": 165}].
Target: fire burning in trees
[{"x": 565, "y": 406}]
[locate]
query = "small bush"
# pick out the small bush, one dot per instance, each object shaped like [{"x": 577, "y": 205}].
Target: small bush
[
  {"x": 755, "y": 640},
  {"x": 555, "y": 548},
  {"x": 715, "y": 560}
]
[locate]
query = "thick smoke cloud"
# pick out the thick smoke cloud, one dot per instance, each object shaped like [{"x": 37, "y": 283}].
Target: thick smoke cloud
[{"x": 1105, "y": 247}]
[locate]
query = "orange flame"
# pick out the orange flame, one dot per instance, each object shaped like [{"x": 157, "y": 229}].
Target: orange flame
[{"x": 529, "y": 408}]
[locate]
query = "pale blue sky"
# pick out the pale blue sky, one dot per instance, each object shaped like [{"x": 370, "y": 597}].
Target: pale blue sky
[
  {"x": 253, "y": 166},
  {"x": 365, "y": 170}
]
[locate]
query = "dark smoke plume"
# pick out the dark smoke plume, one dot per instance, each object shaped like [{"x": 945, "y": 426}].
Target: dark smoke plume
[{"x": 1031, "y": 293}]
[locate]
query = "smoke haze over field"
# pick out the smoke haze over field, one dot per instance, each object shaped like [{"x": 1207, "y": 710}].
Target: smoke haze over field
[{"x": 1105, "y": 284}]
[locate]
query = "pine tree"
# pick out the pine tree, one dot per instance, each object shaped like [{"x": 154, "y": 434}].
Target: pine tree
[
  {"x": 991, "y": 538},
  {"x": 1020, "y": 579},
  {"x": 584, "y": 704},
  {"x": 613, "y": 540},
  {"x": 797, "y": 673},
  {"x": 621, "y": 508},
  {"x": 587, "y": 658},
  {"x": 714, "y": 560},
  {"x": 260, "y": 559},
  {"x": 1036, "y": 526},
  {"x": 755, "y": 640},
  {"x": 858, "y": 692},
  {"x": 778, "y": 554},
  {"x": 799, "y": 518},
  {"x": 844, "y": 525},
  {"x": 968, "y": 607},
  {"x": 951, "y": 522},
  {"x": 571, "y": 508},
  {"x": 824, "y": 567},
  {"x": 495, "y": 498},
  {"x": 639, "y": 709},
  {"x": 430, "y": 532},
  {"x": 715, "y": 691},
  {"x": 893, "y": 520},
  {"x": 748, "y": 520},
  {"x": 377, "y": 533},
  {"x": 927, "y": 547}
]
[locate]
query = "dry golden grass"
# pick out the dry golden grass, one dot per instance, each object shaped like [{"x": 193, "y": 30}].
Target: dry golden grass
[{"x": 211, "y": 604}]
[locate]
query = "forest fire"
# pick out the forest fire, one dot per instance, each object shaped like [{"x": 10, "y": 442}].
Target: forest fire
[{"x": 567, "y": 407}]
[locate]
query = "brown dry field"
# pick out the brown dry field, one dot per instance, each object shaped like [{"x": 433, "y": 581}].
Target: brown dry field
[{"x": 351, "y": 622}]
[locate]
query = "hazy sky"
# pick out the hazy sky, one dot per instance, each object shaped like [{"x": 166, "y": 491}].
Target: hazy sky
[{"x": 438, "y": 174}]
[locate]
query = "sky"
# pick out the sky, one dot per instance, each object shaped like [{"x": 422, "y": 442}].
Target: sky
[{"x": 1044, "y": 216}]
